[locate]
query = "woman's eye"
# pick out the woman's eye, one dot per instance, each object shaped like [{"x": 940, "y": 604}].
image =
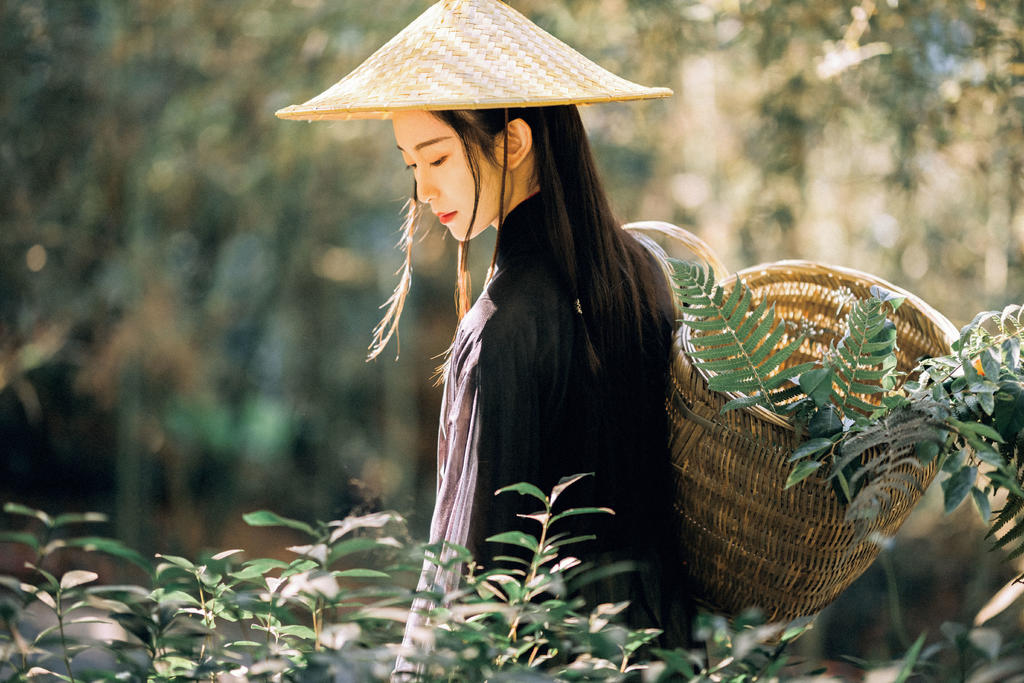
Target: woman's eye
[{"x": 439, "y": 161}]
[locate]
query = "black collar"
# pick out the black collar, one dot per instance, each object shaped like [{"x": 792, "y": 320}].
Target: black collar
[{"x": 522, "y": 231}]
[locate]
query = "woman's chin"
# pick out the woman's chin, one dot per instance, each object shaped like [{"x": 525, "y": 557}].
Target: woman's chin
[
  {"x": 457, "y": 231},
  {"x": 460, "y": 232}
]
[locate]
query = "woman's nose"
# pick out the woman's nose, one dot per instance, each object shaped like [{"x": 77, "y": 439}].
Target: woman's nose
[{"x": 425, "y": 190}]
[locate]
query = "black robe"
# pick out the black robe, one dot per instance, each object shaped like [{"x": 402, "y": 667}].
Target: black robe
[{"x": 522, "y": 405}]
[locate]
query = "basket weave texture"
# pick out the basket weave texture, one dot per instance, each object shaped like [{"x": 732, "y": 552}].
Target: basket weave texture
[{"x": 750, "y": 541}]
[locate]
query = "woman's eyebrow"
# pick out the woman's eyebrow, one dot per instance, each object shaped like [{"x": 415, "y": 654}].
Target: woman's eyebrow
[{"x": 427, "y": 143}]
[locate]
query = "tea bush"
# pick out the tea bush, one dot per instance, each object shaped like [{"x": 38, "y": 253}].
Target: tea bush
[{"x": 326, "y": 615}]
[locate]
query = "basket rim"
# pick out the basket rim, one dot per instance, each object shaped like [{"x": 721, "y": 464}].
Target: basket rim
[{"x": 814, "y": 268}]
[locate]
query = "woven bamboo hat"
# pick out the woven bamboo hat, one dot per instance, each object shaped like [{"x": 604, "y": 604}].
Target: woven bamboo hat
[{"x": 468, "y": 54}]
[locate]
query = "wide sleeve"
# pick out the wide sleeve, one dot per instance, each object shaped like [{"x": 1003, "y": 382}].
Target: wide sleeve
[
  {"x": 490, "y": 437},
  {"x": 457, "y": 477},
  {"x": 502, "y": 378}
]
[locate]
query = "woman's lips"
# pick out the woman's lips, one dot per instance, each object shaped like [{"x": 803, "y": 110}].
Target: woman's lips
[{"x": 446, "y": 218}]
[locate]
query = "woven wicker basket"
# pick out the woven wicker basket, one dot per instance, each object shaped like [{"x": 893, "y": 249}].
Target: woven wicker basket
[{"x": 750, "y": 541}]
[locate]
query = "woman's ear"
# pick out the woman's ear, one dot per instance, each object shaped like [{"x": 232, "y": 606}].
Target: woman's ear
[{"x": 520, "y": 142}]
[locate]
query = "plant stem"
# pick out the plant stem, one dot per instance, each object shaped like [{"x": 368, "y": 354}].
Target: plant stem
[
  {"x": 63, "y": 639},
  {"x": 19, "y": 642},
  {"x": 318, "y": 622},
  {"x": 895, "y": 611},
  {"x": 534, "y": 565},
  {"x": 206, "y": 619}
]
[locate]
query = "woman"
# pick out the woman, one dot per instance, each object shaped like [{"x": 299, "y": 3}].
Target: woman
[{"x": 560, "y": 366}]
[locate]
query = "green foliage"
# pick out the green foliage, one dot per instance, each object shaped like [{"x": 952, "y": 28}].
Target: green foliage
[
  {"x": 320, "y": 615},
  {"x": 317, "y": 618},
  {"x": 976, "y": 652},
  {"x": 965, "y": 408},
  {"x": 862, "y": 364},
  {"x": 282, "y": 613},
  {"x": 871, "y": 484},
  {"x": 738, "y": 347},
  {"x": 982, "y": 383}
]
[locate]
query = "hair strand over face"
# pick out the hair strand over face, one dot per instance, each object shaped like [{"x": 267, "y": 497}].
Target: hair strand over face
[{"x": 388, "y": 326}]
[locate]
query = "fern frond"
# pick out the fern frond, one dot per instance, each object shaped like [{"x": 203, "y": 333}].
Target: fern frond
[
  {"x": 740, "y": 343},
  {"x": 1010, "y": 536},
  {"x": 862, "y": 358},
  {"x": 1014, "y": 506},
  {"x": 1011, "y": 516},
  {"x": 880, "y": 482}
]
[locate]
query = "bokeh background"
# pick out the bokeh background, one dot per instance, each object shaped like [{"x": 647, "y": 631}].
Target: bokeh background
[{"x": 188, "y": 285}]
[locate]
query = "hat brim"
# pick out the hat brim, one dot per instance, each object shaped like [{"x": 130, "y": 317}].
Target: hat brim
[{"x": 469, "y": 54}]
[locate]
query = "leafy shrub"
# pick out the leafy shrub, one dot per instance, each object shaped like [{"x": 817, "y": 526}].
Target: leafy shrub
[{"x": 326, "y": 616}]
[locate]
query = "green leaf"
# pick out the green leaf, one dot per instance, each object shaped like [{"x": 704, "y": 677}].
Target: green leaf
[
  {"x": 524, "y": 488},
  {"x": 926, "y": 451},
  {"x": 177, "y": 664},
  {"x": 562, "y": 541},
  {"x": 257, "y": 568},
  {"x": 983, "y": 504},
  {"x": 990, "y": 363},
  {"x": 77, "y": 577},
  {"x": 825, "y": 423},
  {"x": 1011, "y": 353},
  {"x": 1008, "y": 414},
  {"x": 353, "y": 545},
  {"x": 79, "y": 518},
  {"x": 265, "y": 565},
  {"x": 19, "y": 509},
  {"x": 969, "y": 428},
  {"x": 797, "y": 627},
  {"x": 226, "y": 554},
  {"x": 518, "y": 538},
  {"x": 22, "y": 537},
  {"x": 297, "y": 631},
  {"x": 802, "y": 471},
  {"x": 111, "y": 547},
  {"x": 268, "y": 518},
  {"x": 179, "y": 562},
  {"x": 746, "y": 402},
  {"x": 361, "y": 574},
  {"x": 566, "y": 482},
  {"x": 582, "y": 511},
  {"x": 818, "y": 385},
  {"x": 790, "y": 374},
  {"x": 958, "y": 486},
  {"x": 954, "y": 461},
  {"x": 884, "y": 295},
  {"x": 298, "y": 566},
  {"x": 162, "y": 595},
  {"x": 910, "y": 660},
  {"x": 987, "y": 401},
  {"x": 811, "y": 447},
  {"x": 51, "y": 580}
]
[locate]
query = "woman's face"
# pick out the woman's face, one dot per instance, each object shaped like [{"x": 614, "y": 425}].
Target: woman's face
[{"x": 433, "y": 151}]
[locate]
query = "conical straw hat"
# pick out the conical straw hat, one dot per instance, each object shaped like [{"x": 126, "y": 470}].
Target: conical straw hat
[{"x": 468, "y": 54}]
